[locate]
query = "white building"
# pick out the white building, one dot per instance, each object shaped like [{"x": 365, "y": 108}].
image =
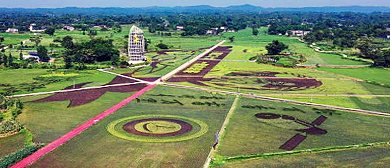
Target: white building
[
  {"x": 12, "y": 30},
  {"x": 297, "y": 33},
  {"x": 179, "y": 28},
  {"x": 69, "y": 28},
  {"x": 33, "y": 28},
  {"x": 136, "y": 45}
]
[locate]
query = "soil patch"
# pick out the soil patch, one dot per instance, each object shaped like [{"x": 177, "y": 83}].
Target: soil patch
[
  {"x": 78, "y": 98},
  {"x": 313, "y": 131},
  {"x": 292, "y": 143},
  {"x": 291, "y": 84},
  {"x": 267, "y": 116},
  {"x": 319, "y": 120}
]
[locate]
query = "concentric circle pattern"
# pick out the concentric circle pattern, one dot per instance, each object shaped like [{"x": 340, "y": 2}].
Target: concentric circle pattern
[{"x": 157, "y": 128}]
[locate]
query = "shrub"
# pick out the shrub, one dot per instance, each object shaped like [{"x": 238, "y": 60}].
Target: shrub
[
  {"x": 13, "y": 158},
  {"x": 162, "y": 46},
  {"x": 9, "y": 126}
]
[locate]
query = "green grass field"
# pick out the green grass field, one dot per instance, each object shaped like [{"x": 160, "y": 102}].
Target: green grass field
[
  {"x": 246, "y": 135},
  {"x": 11, "y": 144},
  {"x": 371, "y": 74},
  {"x": 363, "y": 157},
  {"x": 50, "y": 120},
  {"x": 256, "y": 45},
  {"x": 20, "y": 78},
  {"x": 96, "y": 147}
]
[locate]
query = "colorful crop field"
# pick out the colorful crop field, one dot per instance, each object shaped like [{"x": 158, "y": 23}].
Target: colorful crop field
[
  {"x": 261, "y": 128},
  {"x": 213, "y": 111},
  {"x": 166, "y": 127},
  {"x": 196, "y": 68}
]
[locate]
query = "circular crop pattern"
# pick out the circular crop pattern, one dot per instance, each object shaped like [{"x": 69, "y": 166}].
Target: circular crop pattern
[{"x": 157, "y": 128}]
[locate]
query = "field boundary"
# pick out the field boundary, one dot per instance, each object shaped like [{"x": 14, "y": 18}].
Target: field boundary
[{"x": 221, "y": 132}]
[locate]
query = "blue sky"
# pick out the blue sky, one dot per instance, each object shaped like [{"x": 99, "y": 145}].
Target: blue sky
[{"x": 143, "y": 3}]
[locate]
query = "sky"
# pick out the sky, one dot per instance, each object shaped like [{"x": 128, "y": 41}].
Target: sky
[{"x": 217, "y": 3}]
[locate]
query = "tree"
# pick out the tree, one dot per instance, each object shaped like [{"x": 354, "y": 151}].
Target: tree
[
  {"x": 367, "y": 49},
  {"x": 67, "y": 42},
  {"x": 382, "y": 59},
  {"x": 50, "y": 31},
  {"x": 92, "y": 33},
  {"x": 231, "y": 38},
  {"x": 37, "y": 40},
  {"x": 5, "y": 60},
  {"x": 147, "y": 42},
  {"x": 42, "y": 53},
  {"x": 68, "y": 61},
  {"x": 275, "y": 47},
  {"x": 255, "y": 32},
  {"x": 10, "y": 60}
]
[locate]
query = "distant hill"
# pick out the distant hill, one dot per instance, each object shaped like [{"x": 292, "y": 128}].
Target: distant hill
[{"x": 191, "y": 9}]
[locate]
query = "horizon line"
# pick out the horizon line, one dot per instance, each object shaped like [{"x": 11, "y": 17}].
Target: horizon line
[{"x": 193, "y": 6}]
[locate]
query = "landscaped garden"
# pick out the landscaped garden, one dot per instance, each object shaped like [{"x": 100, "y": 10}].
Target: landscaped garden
[
  {"x": 263, "y": 127},
  {"x": 159, "y": 115}
]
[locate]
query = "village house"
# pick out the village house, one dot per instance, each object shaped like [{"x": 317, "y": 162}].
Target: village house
[
  {"x": 12, "y": 30},
  {"x": 297, "y": 33},
  {"x": 34, "y": 28},
  {"x": 179, "y": 28},
  {"x": 100, "y": 26},
  {"x": 33, "y": 55},
  {"x": 69, "y": 28}
]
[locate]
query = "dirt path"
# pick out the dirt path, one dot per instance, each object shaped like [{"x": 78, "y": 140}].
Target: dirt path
[{"x": 221, "y": 132}]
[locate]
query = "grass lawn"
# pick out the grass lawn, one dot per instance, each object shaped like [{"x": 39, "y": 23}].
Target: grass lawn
[
  {"x": 245, "y": 39},
  {"x": 362, "y": 157},
  {"x": 49, "y": 121},
  {"x": 247, "y": 135},
  {"x": 11, "y": 144},
  {"x": 20, "y": 78},
  {"x": 95, "y": 147},
  {"x": 333, "y": 101},
  {"x": 224, "y": 68},
  {"x": 371, "y": 74}
]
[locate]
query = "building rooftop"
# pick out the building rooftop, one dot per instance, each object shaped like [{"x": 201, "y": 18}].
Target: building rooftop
[{"x": 135, "y": 29}]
